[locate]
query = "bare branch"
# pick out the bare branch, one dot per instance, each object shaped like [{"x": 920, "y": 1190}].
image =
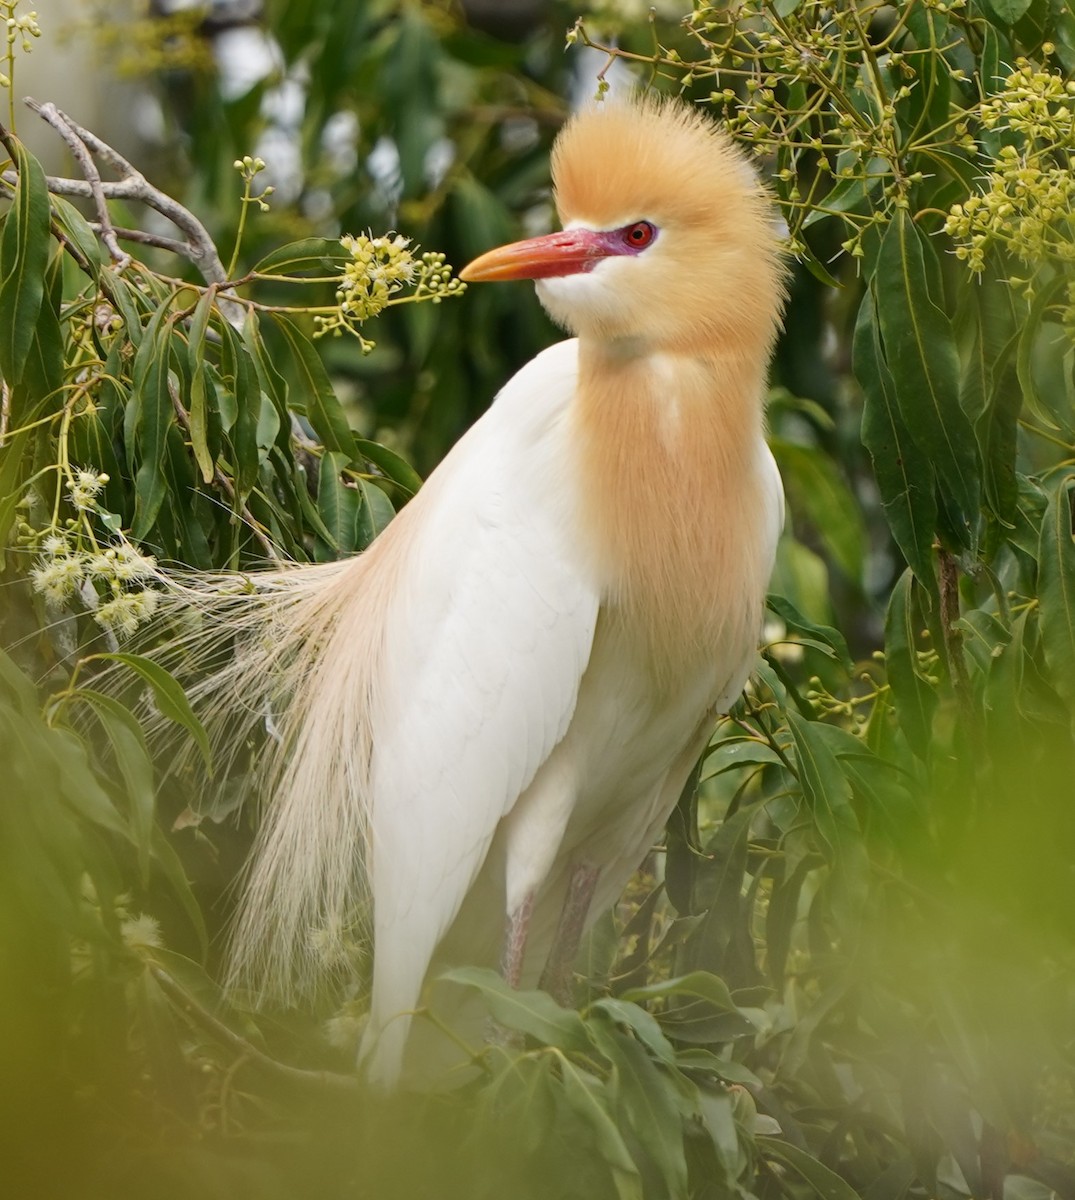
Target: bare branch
[
  {"x": 145, "y": 238},
  {"x": 93, "y": 179},
  {"x": 133, "y": 185}
]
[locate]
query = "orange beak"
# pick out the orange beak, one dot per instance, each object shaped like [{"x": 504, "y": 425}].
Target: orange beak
[{"x": 566, "y": 253}]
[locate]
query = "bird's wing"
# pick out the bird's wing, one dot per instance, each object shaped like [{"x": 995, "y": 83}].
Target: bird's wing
[{"x": 490, "y": 634}]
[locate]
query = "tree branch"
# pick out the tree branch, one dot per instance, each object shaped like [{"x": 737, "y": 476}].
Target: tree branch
[{"x": 198, "y": 248}]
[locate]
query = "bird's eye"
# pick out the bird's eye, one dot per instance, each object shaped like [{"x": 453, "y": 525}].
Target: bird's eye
[{"x": 639, "y": 235}]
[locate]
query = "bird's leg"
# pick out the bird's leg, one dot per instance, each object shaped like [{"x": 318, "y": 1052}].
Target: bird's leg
[
  {"x": 556, "y": 978},
  {"x": 515, "y": 931},
  {"x": 512, "y": 953}
]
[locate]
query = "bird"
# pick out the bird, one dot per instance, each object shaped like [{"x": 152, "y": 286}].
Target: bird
[{"x": 481, "y": 723}]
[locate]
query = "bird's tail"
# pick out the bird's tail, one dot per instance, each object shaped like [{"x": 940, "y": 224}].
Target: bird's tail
[{"x": 287, "y": 661}]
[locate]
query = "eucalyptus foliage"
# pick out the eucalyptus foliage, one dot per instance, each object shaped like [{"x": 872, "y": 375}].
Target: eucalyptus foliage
[{"x": 849, "y": 970}]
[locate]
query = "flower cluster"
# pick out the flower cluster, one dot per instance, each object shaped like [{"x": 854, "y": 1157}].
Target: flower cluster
[
  {"x": 101, "y": 576},
  {"x": 25, "y": 28},
  {"x": 380, "y": 269},
  {"x": 1028, "y": 200},
  {"x": 84, "y": 489}
]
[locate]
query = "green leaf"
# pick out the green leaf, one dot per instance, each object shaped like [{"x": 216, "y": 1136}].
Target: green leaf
[
  {"x": 1005, "y": 12},
  {"x": 1056, "y": 589},
  {"x": 641, "y": 1023},
  {"x": 695, "y": 985},
  {"x": 589, "y": 1101},
  {"x": 132, "y": 758},
  {"x": 170, "y": 866},
  {"x": 797, "y": 623},
  {"x": 309, "y": 256},
  {"x": 78, "y": 232},
  {"x": 316, "y": 396},
  {"x": 154, "y": 415},
  {"x": 42, "y": 378},
  {"x": 905, "y": 476},
  {"x": 338, "y": 504},
  {"x": 534, "y": 1013},
  {"x": 824, "y": 784},
  {"x": 697, "y": 1058},
  {"x": 646, "y": 1104},
  {"x": 920, "y": 352},
  {"x": 915, "y": 697},
  {"x": 826, "y": 1184},
  {"x": 734, "y": 753},
  {"x": 170, "y": 697},
  {"x": 374, "y": 514},
  {"x": 24, "y": 255},
  {"x": 394, "y": 467},
  {"x": 239, "y": 371},
  {"x": 200, "y": 388}
]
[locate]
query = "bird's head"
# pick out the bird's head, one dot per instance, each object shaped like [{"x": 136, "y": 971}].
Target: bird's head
[{"x": 669, "y": 241}]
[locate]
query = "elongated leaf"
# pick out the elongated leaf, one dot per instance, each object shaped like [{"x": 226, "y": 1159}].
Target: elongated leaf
[
  {"x": 315, "y": 395},
  {"x": 154, "y": 416},
  {"x": 42, "y": 377},
  {"x": 200, "y": 389},
  {"x": 374, "y": 514},
  {"x": 824, "y": 784},
  {"x": 239, "y": 370},
  {"x": 78, "y": 232},
  {"x": 646, "y": 1104},
  {"x": 915, "y": 697},
  {"x": 534, "y": 1013},
  {"x": 1056, "y": 589},
  {"x": 590, "y": 1104},
  {"x": 171, "y": 699},
  {"x": 308, "y": 256},
  {"x": 394, "y": 467},
  {"x": 132, "y": 758},
  {"x": 797, "y": 623},
  {"x": 826, "y": 1184},
  {"x": 338, "y": 505},
  {"x": 696, "y": 985},
  {"x": 905, "y": 476},
  {"x": 24, "y": 255},
  {"x": 732, "y": 754},
  {"x": 641, "y": 1023},
  {"x": 920, "y": 351}
]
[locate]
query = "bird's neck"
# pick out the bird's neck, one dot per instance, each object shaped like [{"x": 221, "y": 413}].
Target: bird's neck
[{"x": 673, "y": 504}]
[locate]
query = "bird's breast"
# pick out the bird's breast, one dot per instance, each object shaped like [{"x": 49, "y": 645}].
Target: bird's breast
[{"x": 675, "y": 504}]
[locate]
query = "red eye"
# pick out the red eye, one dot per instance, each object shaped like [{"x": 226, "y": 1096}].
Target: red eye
[{"x": 640, "y": 235}]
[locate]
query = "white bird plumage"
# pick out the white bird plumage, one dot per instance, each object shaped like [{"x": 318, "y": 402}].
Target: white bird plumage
[{"x": 516, "y": 679}]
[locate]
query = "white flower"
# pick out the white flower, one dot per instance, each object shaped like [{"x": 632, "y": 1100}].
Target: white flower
[
  {"x": 56, "y": 578},
  {"x": 141, "y": 933},
  {"x": 84, "y": 488},
  {"x": 124, "y": 613}
]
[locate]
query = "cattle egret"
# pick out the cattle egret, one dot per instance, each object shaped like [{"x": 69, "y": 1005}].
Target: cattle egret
[{"x": 483, "y": 722}]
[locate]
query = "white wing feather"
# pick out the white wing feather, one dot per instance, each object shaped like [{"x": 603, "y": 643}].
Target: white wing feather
[{"x": 486, "y": 645}]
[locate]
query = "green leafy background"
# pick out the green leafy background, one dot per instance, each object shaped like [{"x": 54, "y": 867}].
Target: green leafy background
[{"x": 848, "y": 969}]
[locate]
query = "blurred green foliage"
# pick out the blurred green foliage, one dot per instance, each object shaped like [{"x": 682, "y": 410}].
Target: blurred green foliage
[{"x": 849, "y": 971}]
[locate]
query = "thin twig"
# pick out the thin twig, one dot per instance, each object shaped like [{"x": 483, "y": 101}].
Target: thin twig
[
  {"x": 222, "y": 481},
  {"x": 5, "y": 410},
  {"x": 76, "y": 144},
  {"x": 134, "y": 186},
  {"x": 327, "y": 1080},
  {"x": 144, "y": 238}
]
